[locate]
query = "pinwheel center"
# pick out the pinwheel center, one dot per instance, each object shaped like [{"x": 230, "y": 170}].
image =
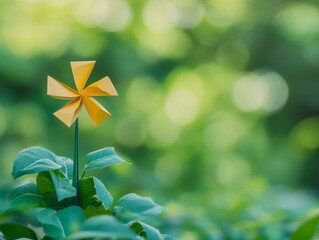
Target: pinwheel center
[{"x": 82, "y": 93}]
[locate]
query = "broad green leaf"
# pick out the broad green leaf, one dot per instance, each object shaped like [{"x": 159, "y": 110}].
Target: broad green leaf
[
  {"x": 34, "y": 160},
  {"x": 306, "y": 230},
  {"x": 96, "y": 208},
  {"x": 63, "y": 188},
  {"x": 87, "y": 192},
  {"x": 92, "y": 188},
  {"x": 5, "y": 191},
  {"x": 147, "y": 231},
  {"x": 60, "y": 224},
  {"x": 71, "y": 219},
  {"x": 134, "y": 207},
  {"x": 24, "y": 196},
  {"x": 102, "y": 158},
  {"x": 103, "y": 227},
  {"x": 138, "y": 229},
  {"x": 67, "y": 169},
  {"x": 16, "y": 231},
  {"x": 51, "y": 223},
  {"x": 47, "y": 190},
  {"x": 102, "y": 193},
  {"x": 168, "y": 237}
]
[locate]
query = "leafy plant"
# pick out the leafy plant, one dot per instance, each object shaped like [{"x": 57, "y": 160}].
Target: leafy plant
[
  {"x": 307, "y": 229},
  {"x": 53, "y": 197}
]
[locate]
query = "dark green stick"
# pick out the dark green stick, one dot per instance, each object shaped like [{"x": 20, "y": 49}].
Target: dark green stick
[{"x": 75, "y": 181}]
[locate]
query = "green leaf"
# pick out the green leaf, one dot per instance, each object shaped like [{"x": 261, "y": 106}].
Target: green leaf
[
  {"x": 103, "y": 227},
  {"x": 87, "y": 192},
  {"x": 143, "y": 229},
  {"x": 71, "y": 219},
  {"x": 15, "y": 231},
  {"x": 34, "y": 160},
  {"x": 47, "y": 190},
  {"x": 102, "y": 193},
  {"x": 63, "y": 188},
  {"x": 24, "y": 196},
  {"x": 138, "y": 229},
  {"x": 306, "y": 230},
  {"x": 51, "y": 223},
  {"x": 95, "y": 209},
  {"x": 60, "y": 224},
  {"x": 102, "y": 158},
  {"x": 47, "y": 238},
  {"x": 134, "y": 207},
  {"x": 67, "y": 169},
  {"x": 168, "y": 237},
  {"x": 91, "y": 187}
]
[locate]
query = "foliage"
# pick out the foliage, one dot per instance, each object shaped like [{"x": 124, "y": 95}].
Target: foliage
[{"x": 53, "y": 196}]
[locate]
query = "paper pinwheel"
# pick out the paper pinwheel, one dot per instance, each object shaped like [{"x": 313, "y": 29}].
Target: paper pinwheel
[{"x": 81, "y": 72}]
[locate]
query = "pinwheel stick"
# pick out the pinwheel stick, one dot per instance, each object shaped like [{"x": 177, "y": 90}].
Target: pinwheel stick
[{"x": 75, "y": 181}]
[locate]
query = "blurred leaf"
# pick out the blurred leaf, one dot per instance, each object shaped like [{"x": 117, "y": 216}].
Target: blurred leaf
[
  {"x": 63, "y": 188},
  {"x": 51, "y": 223},
  {"x": 71, "y": 219},
  {"x": 15, "y": 231},
  {"x": 138, "y": 229},
  {"x": 62, "y": 223},
  {"x": 24, "y": 197},
  {"x": 151, "y": 233},
  {"x": 103, "y": 227},
  {"x": 168, "y": 237},
  {"x": 102, "y": 158},
  {"x": 34, "y": 160},
  {"x": 134, "y": 207},
  {"x": 47, "y": 238},
  {"x": 306, "y": 230},
  {"x": 5, "y": 191}
]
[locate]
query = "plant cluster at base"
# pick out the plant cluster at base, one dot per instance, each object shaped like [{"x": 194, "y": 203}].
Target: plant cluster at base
[{"x": 52, "y": 198}]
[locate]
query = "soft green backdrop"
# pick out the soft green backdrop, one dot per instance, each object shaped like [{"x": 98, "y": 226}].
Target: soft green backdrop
[{"x": 217, "y": 106}]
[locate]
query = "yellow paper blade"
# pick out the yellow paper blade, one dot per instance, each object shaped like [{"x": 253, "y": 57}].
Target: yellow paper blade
[
  {"x": 81, "y": 72},
  {"x": 69, "y": 112},
  {"x": 96, "y": 111},
  {"x": 59, "y": 90},
  {"x": 103, "y": 87}
]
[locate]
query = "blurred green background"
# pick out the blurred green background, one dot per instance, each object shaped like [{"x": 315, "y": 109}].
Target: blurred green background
[{"x": 217, "y": 106}]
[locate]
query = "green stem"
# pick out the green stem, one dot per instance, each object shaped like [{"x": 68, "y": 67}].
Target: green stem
[{"x": 75, "y": 181}]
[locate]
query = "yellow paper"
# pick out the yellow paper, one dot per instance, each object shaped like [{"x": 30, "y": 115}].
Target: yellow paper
[
  {"x": 70, "y": 112},
  {"x": 81, "y": 72},
  {"x": 103, "y": 87},
  {"x": 59, "y": 90},
  {"x": 96, "y": 111}
]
